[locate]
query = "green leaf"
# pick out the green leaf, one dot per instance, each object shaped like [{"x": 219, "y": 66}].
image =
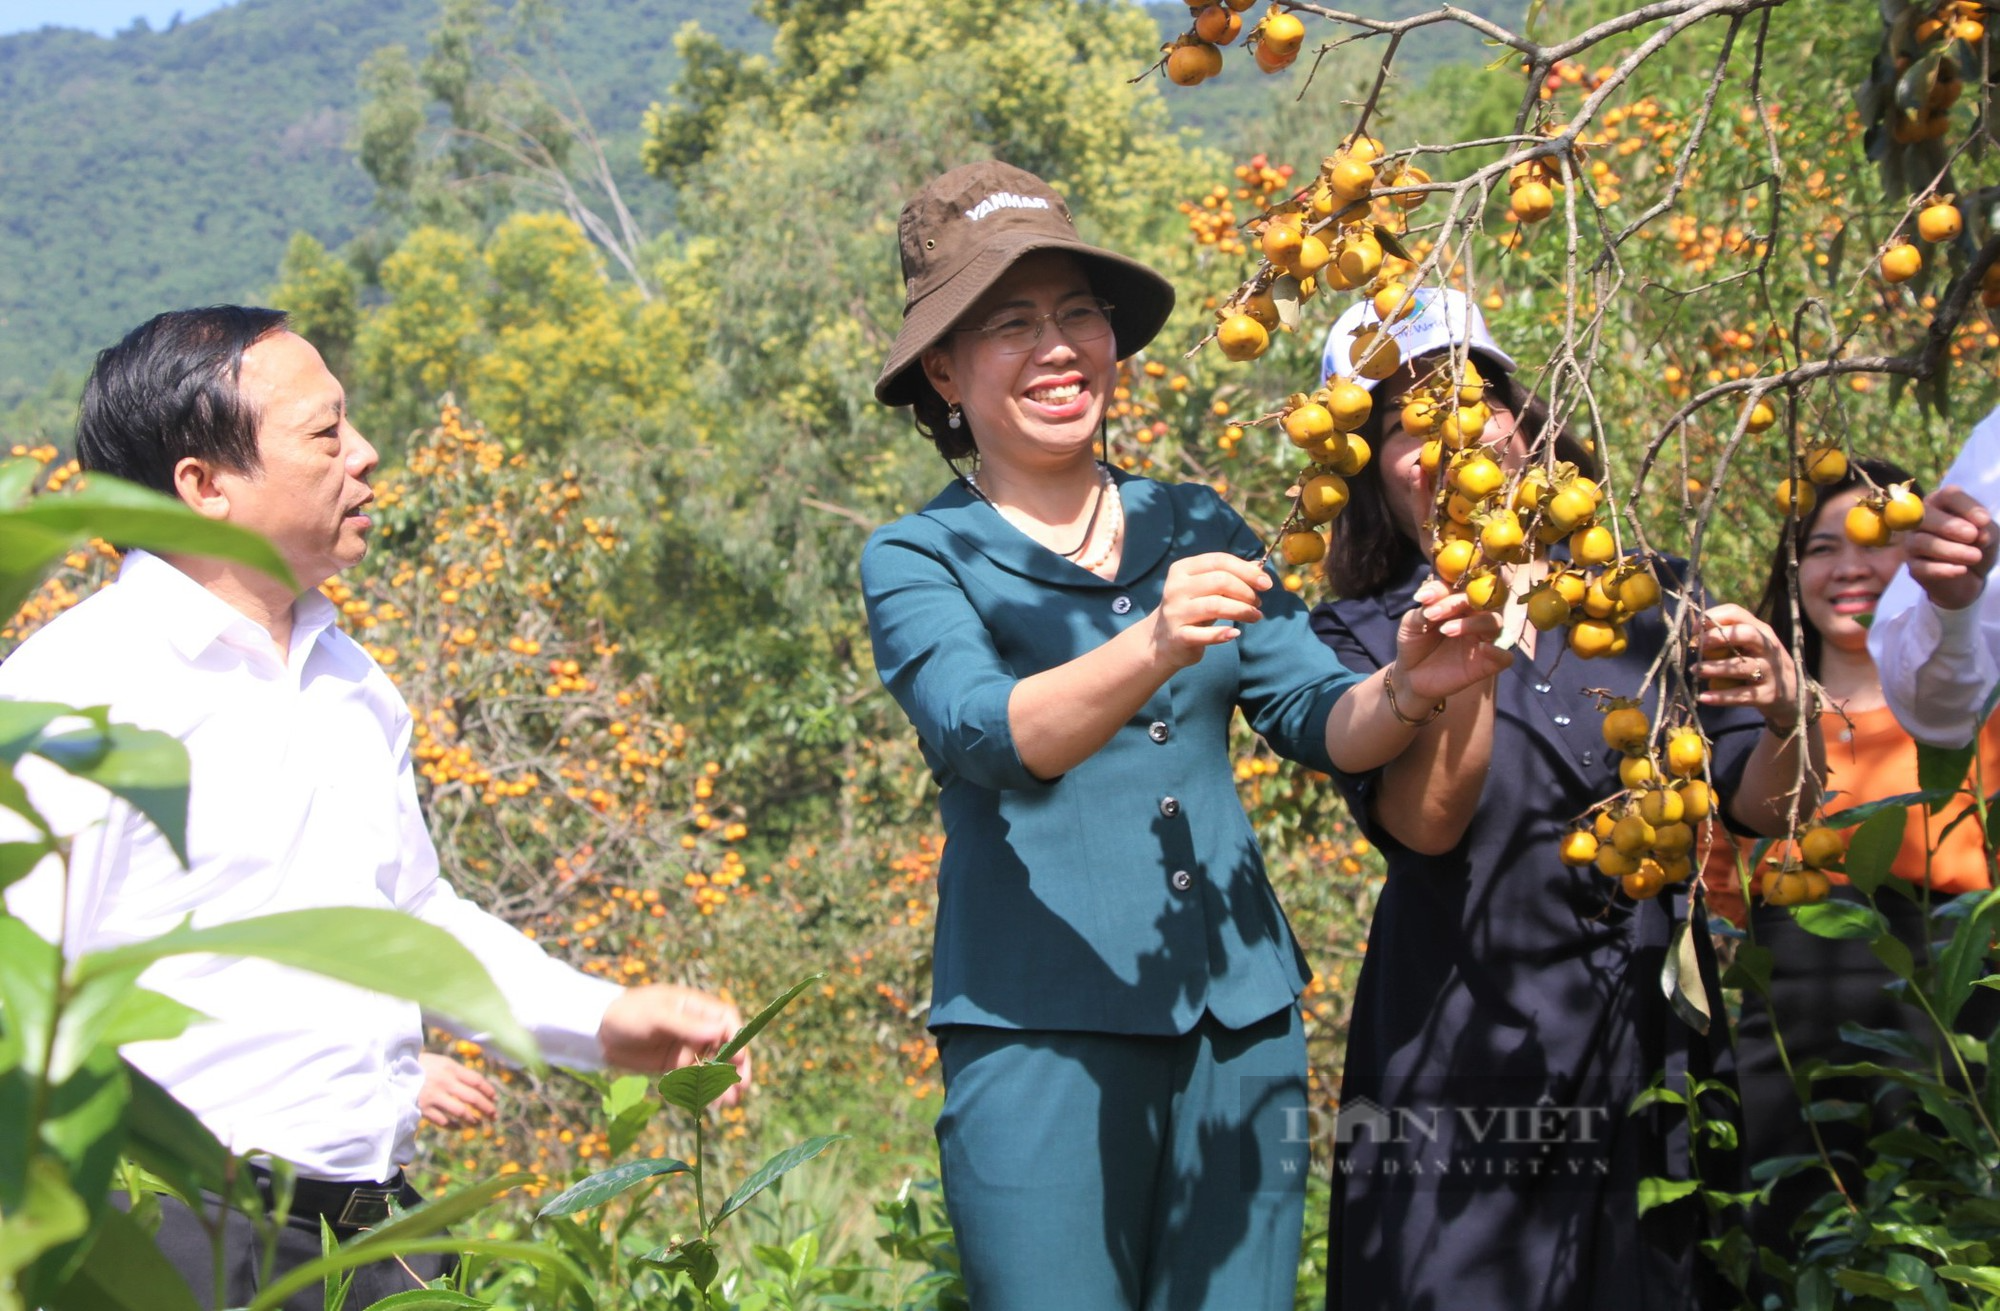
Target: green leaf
[
  {"x": 1781, "y": 1167},
  {"x": 1963, "y": 958},
  {"x": 123, "y": 1270},
  {"x": 1871, "y": 1284},
  {"x": 83, "y": 1121},
  {"x": 50, "y": 1215},
  {"x": 14, "y": 797},
  {"x": 426, "y": 1299},
  {"x": 1655, "y": 1096},
  {"x": 1899, "y": 1043},
  {"x": 775, "y": 1258},
  {"x": 1985, "y": 1278},
  {"x": 1872, "y": 848},
  {"x": 773, "y": 1170},
  {"x": 145, "y": 768},
  {"x": 167, "y": 1139},
  {"x": 695, "y": 1258},
  {"x": 693, "y": 1087},
  {"x": 25, "y": 551},
  {"x": 1914, "y": 1145},
  {"x": 607, "y": 1184},
  {"x": 111, "y": 1011},
  {"x": 17, "y": 478},
  {"x": 30, "y": 970},
  {"x": 132, "y": 515},
  {"x": 17, "y": 858},
  {"x": 1889, "y": 949},
  {"x": 441, "y": 1213},
  {"x": 1940, "y": 770},
  {"x": 1659, "y": 1192},
  {"x": 1751, "y": 970},
  {"x": 764, "y": 1017},
  {"x": 22, "y": 724},
  {"x": 1855, "y": 816},
  {"x": 353, "y": 1254},
  {"x": 1840, "y": 919},
  {"x": 628, "y": 1107},
  {"x": 385, "y": 951}
]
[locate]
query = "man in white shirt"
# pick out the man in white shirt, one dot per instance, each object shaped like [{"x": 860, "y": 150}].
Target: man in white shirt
[
  {"x": 1936, "y": 636},
  {"x": 302, "y": 793}
]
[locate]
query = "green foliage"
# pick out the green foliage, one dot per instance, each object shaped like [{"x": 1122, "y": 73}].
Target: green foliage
[
  {"x": 322, "y": 293},
  {"x": 713, "y": 79},
  {"x": 169, "y": 168}
]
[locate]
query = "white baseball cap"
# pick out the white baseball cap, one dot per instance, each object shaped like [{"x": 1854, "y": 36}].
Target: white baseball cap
[{"x": 1443, "y": 318}]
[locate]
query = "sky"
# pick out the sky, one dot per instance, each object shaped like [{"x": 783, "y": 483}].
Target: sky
[{"x": 101, "y": 16}]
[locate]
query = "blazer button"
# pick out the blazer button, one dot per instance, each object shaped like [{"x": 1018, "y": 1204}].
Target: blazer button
[
  {"x": 1121, "y": 605},
  {"x": 1157, "y": 730},
  {"x": 1181, "y": 880},
  {"x": 1169, "y": 807}
]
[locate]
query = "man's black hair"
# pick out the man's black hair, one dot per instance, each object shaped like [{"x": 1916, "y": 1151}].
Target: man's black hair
[{"x": 168, "y": 392}]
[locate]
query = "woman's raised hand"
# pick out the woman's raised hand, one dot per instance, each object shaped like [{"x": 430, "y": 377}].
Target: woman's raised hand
[
  {"x": 1444, "y": 645},
  {"x": 1200, "y": 590},
  {"x": 1738, "y": 646}
]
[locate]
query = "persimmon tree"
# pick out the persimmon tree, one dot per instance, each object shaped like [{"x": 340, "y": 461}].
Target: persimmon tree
[{"x": 1741, "y": 243}]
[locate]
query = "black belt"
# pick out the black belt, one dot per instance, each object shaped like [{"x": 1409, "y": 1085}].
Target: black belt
[{"x": 343, "y": 1205}]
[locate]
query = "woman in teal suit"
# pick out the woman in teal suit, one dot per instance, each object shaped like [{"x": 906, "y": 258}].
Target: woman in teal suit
[{"x": 1114, "y": 995}]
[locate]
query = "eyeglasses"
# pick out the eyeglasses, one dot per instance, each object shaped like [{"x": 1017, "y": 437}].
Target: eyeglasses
[{"x": 1012, "y": 333}]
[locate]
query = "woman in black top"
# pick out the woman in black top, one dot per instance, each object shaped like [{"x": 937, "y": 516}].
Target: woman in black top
[{"x": 1510, "y": 1006}]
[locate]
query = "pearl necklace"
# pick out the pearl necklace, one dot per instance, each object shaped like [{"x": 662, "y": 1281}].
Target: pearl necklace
[{"x": 1107, "y": 489}]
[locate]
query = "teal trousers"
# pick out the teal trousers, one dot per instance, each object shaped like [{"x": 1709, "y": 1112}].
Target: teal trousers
[{"x": 1109, "y": 1172}]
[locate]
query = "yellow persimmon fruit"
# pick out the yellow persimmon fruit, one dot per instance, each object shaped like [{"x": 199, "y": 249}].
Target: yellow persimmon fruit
[
  {"x": 1352, "y": 457},
  {"x": 1322, "y": 496},
  {"x": 1901, "y": 263},
  {"x": 1302, "y": 546},
  {"x": 1904, "y": 509},
  {"x": 1349, "y": 403},
  {"x": 1453, "y": 559},
  {"x": 1626, "y": 729},
  {"x": 1478, "y": 477},
  {"x": 1218, "y": 24},
  {"x": 1687, "y": 752},
  {"x": 1865, "y": 525},
  {"x": 1940, "y": 222},
  {"x": 1533, "y": 202},
  {"x": 1825, "y": 465},
  {"x": 1308, "y": 423},
  {"x": 1593, "y": 545},
  {"x": 1547, "y": 610},
  {"x": 1579, "y": 847},
  {"x": 1820, "y": 846},
  {"x": 1242, "y": 337}
]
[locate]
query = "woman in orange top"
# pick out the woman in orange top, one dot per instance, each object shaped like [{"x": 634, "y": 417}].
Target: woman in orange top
[{"x": 1819, "y": 984}]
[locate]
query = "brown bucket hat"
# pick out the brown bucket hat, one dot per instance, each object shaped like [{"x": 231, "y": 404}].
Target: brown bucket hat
[{"x": 965, "y": 229}]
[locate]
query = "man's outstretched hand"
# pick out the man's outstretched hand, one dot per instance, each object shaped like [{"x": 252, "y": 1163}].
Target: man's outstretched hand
[{"x": 662, "y": 1026}]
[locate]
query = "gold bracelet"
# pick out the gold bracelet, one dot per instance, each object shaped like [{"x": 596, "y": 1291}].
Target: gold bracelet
[{"x": 1389, "y": 690}]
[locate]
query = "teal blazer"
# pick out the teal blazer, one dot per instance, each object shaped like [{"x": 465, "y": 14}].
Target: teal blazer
[{"x": 1127, "y": 896}]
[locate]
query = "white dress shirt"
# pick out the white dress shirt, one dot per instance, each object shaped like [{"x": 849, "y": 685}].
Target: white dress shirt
[
  {"x": 302, "y": 796},
  {"x": 1938, "y": 667}
]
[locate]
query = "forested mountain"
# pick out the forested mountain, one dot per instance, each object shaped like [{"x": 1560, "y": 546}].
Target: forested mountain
[{"x": 169, "y": 167}]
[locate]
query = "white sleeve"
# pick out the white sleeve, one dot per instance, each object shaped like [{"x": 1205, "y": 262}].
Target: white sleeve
[
  {"x": 560, "y": 1006},
  {"x": 1938, "y": 667}
]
